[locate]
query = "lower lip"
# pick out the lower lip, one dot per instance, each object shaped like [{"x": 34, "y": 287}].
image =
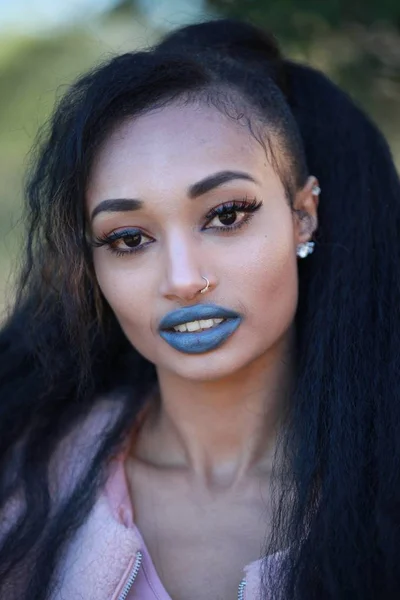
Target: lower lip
[{"x": 201, "y": 341}]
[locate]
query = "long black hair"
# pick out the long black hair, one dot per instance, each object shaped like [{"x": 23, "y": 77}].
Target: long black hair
[{"x": 63, "y": 354}]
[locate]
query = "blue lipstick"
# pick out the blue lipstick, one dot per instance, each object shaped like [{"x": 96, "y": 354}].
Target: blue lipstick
[{"x": 197, "y": 342}]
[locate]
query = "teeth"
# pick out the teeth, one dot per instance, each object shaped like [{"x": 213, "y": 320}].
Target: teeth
[
  {"x": 206, "y": 323},
  {"x": 198, "y": 325},
  {"x": 193, "y": 326}
]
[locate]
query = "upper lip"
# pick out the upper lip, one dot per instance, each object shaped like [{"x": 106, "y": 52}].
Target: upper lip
[{"x": 196, "y": 313}]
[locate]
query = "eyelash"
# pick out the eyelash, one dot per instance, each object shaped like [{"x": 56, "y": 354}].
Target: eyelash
[{"x": 249, "y": 207}]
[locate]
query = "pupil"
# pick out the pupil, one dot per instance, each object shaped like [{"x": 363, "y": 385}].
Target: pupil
[
  {"x": 132, "y": 240},
  {"x": 228, "y": 218}
]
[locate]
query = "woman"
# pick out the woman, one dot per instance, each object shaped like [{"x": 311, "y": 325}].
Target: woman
[{"x": 194, "y": 403}]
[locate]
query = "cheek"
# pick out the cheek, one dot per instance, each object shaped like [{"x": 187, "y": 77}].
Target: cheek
[
  {"x": 265, "y": 278},
  {"x": 277, "y": 293},
  {"x": 278, "y": 269},
  {"x": 122, "y": 287}
]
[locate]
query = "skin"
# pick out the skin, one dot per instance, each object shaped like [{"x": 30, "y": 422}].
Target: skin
[{"x": 211, "y": 403}]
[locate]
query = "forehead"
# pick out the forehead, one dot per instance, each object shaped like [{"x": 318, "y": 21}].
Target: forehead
[{"x": 172, "y": 147}]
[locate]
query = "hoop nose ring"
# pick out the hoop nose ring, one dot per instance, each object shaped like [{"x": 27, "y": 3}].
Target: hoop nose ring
[{"x": 204, "y": 290}]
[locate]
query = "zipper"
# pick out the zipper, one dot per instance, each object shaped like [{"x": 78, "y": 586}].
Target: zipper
[
  {"x": 135, "y": 571},
  {"x": 132, "y": 577},
  {"x": 241, "y": 587}
]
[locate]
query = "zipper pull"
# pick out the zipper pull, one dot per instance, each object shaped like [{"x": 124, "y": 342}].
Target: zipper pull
[{"x": 131, "y": 579}]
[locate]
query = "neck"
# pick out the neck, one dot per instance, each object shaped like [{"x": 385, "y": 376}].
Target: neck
[{"x": 220, "y": 432}]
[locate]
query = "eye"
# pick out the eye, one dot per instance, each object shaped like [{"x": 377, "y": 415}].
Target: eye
[
  {"x": 227, "y": 219},
  {"x": 126, "y": 241},
  {"x": 131, "y": 240},
  {"x": 232, "y": 214}
]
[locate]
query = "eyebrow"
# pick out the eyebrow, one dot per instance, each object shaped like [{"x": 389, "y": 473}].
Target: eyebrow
[
  {"x": 194, "y": 191},
  {"x": 117, "y": 205},
  {"x": 211, "y": 182}
]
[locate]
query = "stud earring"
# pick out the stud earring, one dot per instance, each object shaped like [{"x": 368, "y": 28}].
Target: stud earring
[
  {"x": 303, "y": 250},
  {"x": 316, "y": 190}
]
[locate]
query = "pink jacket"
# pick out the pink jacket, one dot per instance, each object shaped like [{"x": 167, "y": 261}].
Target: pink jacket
[{"x": 107, "y": 558}]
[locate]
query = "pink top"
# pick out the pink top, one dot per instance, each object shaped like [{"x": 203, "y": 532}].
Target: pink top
[{"x": 107, "y": 558}]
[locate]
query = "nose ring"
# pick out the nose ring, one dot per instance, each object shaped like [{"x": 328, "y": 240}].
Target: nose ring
[{"x": 203, "y": 291}]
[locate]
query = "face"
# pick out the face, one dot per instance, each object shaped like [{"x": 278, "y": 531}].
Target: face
[{"x": 184, "y": 193}]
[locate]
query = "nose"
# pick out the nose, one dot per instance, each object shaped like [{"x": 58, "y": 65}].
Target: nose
[{"x": 183, "y": 271}]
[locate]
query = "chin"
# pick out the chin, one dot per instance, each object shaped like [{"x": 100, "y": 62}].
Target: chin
[{"x": 210, "y": 366}]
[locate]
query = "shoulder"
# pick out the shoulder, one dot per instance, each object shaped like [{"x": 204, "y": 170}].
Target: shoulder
[{"x": 76, "y": 451}]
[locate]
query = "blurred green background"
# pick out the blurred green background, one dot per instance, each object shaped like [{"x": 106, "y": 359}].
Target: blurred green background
[{"x": 44, "y": 44}]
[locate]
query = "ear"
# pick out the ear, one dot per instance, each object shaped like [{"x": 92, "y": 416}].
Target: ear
[{"x": 305, "y": 211}]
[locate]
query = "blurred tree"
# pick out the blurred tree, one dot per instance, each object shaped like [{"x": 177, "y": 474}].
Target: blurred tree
[
  {"x": 356, "y": 42},
  {"x": 299, "y": 19}
]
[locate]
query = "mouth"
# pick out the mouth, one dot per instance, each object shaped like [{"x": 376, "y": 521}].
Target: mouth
[
  {"x": 198, "y": 329},
  {"x": 201, "y": 325}
]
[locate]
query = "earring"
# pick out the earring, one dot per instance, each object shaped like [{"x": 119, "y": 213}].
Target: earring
[
  {"x": 303, "y": 250},
  {"x": 316, "y": 190}
]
